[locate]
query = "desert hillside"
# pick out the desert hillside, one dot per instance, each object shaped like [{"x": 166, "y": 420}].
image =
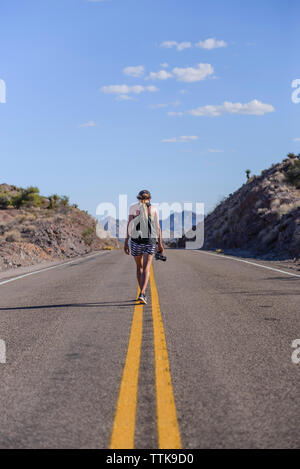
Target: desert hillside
[
  {"x": 34, "y": 228},
  {"x": 263, "y": 216}
]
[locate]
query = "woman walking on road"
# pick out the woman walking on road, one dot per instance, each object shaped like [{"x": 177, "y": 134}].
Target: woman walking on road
[{"x": 144, "y": 232}]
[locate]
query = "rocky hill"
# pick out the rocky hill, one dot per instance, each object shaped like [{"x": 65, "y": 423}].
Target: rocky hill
[
  {"x": 262, "y": 217},
  {"x": 34, "y": 228}
]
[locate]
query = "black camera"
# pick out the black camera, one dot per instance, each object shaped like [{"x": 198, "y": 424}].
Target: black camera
[{"x": 160, "y": 257}]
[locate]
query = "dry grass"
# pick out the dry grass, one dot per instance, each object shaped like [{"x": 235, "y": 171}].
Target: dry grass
[{"x": 13, "y": 236}]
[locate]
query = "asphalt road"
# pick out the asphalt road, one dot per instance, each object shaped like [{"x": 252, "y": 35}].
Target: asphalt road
[{"x": 86, "y": 366}]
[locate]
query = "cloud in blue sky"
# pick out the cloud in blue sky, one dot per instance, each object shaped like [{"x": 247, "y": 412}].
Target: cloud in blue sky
[
  {"x": 254, "y": 107},
  {"x": 137, "y": 71},
  {"x": 125, "y": 89},
  {"x": 175, "y": 114},
  {"x": 193, "y": 74},
  {"x": 160, "y": 75},
  {"x": 179, "y": 45},
  {"x": 182, "y": 139},
  {"x": 209, "y": 44},
  {"x": 184, "y": 74},
  {"x": 88, "y": 124}
]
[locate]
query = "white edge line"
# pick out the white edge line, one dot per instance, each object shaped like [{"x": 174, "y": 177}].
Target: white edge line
[
  {"x": 49, "y": 268},
  {"x": 223, "y": 256}
]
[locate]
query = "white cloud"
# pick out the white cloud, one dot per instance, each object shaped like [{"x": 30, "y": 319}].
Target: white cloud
[
  {"x": 254, "y": 107},
  {"x": 211, "y": 43},
  {"x": 183, "y": 45},
  {"x": 182, "y": 139},
  {"x": 191, "y": 74},
  {"x": 88, "y": 124},
  {"x": 162, "y": 105},
  {"x": 174, "y": 114},
  {"x": 151, "y": 88},
  {"x": 164, "y": 65},
  {"x": 215, "y": 150},
  {"x": 297, "y": 139},
  {"x": 179, "y": 45},
  {"x": 161, "y": 75},
  {"x": 122, "y": 89},
  {"x": 126, "y": 90},
  {"x": 124, "y": 97},
  {"x": 137, "y": 71},
  {"x": 157, "y": 106}
]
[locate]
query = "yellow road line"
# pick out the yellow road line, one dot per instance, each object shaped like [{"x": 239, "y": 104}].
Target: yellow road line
[
  {"x": 124, "y": 422},
  {"x": 168, "y": 430}
]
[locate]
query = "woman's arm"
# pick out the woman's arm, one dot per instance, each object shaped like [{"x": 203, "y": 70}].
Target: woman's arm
[
  {"x": 126, "y": 245},
  {"x": 160, "y": 244}
]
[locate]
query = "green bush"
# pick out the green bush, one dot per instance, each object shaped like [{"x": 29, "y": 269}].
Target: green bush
[
  {"x": 293, "y": 174},
  {"x": 53, "y": 201},
  {"x": 29, "y": 197},
  {"x": 5, "y": 200},
  {"x": 88, "y": 235},
  {"x": 56, "y": 201},
  {"x": 16, "y": 201},
  {"x": 64, "y": 200}
]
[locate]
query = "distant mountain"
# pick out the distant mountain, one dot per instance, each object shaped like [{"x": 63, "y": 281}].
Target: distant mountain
[{"x": 171, "y": 226}]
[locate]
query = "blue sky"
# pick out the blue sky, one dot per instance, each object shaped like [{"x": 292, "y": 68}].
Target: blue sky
[{"x": 70, "y": 126}]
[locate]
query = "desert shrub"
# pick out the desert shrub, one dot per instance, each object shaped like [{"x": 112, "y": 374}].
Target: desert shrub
[
  {"x": 29, "y": 197},
  {"x": 29, "y": 229},
  {"x": 16, "y": 201},
  {"x": 64, "y": 200},
  {"x": 13, "y": 236},
  {"x": 5, "y": 200},
  {"x": 293, "y": 174},
  {"x": 56, "y": 201},
  {"x": 53, "y": 201},
  {"x": 88, "y": 235}
]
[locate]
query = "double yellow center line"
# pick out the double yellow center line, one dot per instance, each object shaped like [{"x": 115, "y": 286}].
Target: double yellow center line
[{"x": 124, "y": 422}]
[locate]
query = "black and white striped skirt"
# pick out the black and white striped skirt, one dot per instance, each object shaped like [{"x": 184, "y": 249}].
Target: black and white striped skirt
[{"x": 139, "y": 249}]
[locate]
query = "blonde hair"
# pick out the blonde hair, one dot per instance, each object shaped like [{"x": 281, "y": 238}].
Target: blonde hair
[{"x": 143, "y": 208}]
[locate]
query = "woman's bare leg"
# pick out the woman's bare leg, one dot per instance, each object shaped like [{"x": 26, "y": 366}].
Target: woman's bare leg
[
  {"x": 139, "y": 269},
  {"x": 147, "y": 261}
]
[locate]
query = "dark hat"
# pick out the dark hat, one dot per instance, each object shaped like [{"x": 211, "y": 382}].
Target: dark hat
[{"x": 143, "y": 195}]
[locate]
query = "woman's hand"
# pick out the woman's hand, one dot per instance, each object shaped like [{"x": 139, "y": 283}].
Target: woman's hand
[
  {"x": 160, "y": 248},
  {"x": 126, "y": 247}
]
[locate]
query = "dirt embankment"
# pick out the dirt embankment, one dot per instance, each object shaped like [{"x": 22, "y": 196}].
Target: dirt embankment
[
  {"x": 43, "y": 231},
  {"x": 261, "y": 218}
]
